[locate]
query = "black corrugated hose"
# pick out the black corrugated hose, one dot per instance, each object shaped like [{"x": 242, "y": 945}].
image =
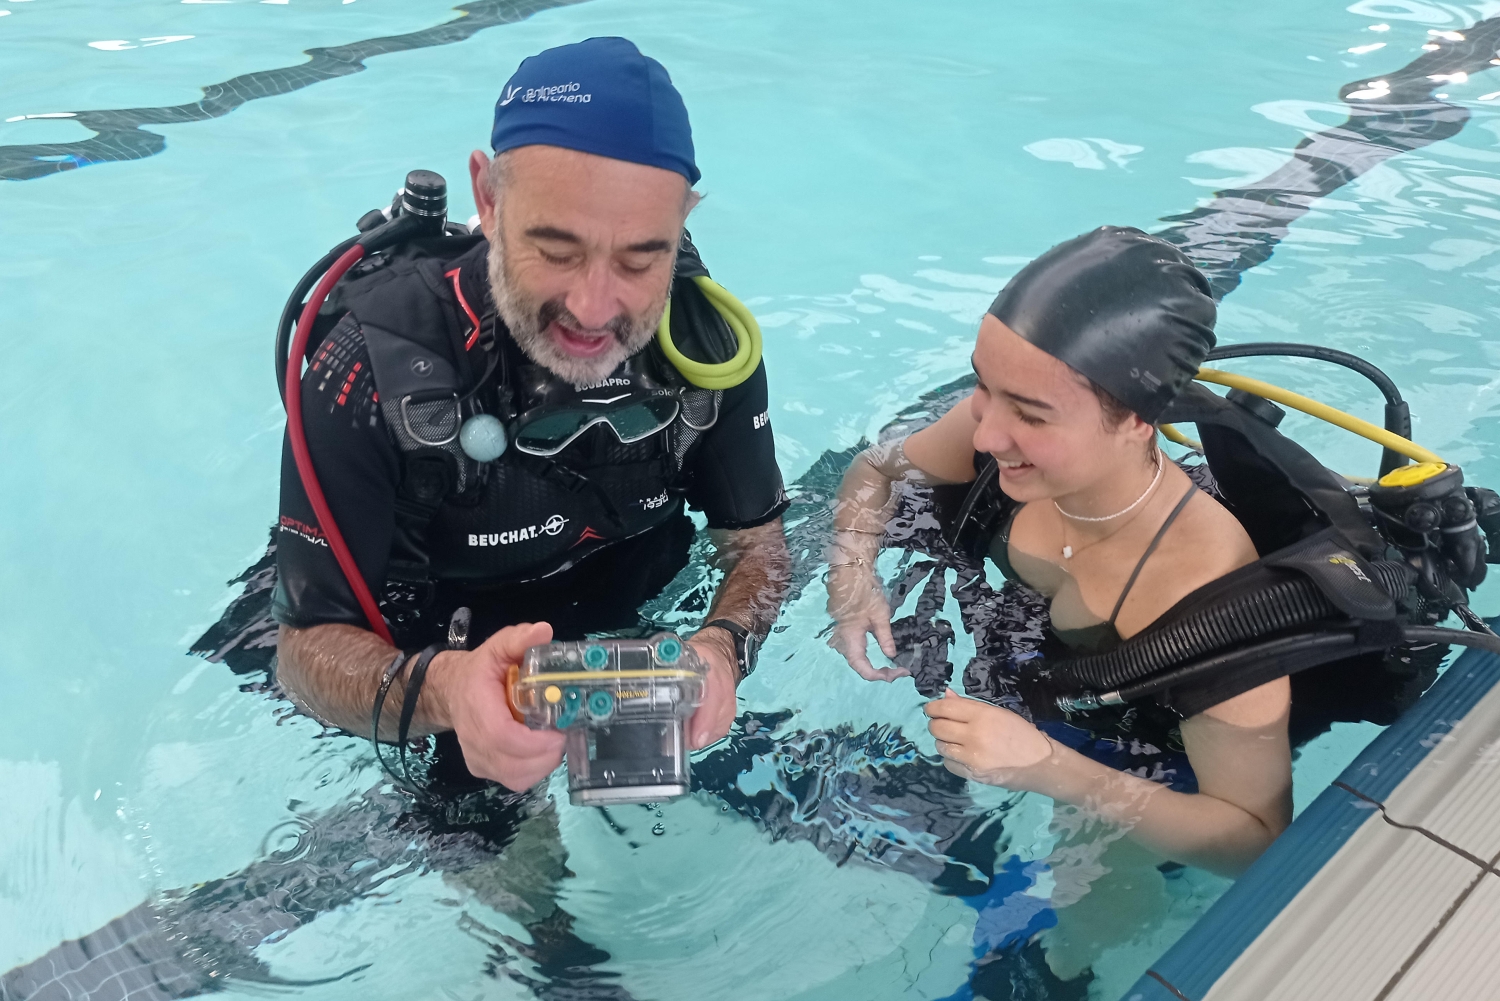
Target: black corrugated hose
[{"x": 1288, "y": 604}]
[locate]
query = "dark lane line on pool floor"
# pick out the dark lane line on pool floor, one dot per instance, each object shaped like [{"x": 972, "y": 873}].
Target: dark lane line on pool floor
[
  {"x": 1240, "y": 227},
  {"x": 120, "y": 136},
  {"x": 192, "y": 941}
]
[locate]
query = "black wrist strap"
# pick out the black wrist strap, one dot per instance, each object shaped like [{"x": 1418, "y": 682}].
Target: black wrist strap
[
  {"x": 409, "y": 700},
  {"x": 380, "y": 694},
  {"x": 401, "y": 658},
  {"x": 744, "y": 644}
]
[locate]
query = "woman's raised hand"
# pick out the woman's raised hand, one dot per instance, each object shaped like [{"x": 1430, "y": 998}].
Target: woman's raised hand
[{"x": 859, "y": 608}]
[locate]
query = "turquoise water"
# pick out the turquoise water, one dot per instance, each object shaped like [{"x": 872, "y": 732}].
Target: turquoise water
[{"x": 873, "y": 173}]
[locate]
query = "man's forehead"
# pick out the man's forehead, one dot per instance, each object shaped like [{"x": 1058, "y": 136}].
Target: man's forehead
[
  {"x": 555, "y": 167},
  {"x": 563, "y": 195}
]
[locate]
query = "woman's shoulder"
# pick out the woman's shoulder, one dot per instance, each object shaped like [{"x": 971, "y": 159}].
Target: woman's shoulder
[
  {"x": 1209, "y": 539},
  {"x": 1205, "y": 543}
]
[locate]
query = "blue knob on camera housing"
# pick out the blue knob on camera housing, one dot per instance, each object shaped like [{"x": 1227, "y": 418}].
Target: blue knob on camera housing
[{"x": 601, "y": 704}]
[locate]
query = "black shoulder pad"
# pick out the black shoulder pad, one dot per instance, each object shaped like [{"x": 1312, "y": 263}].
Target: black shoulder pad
[
  {"x": 689, "y": 261},
  {"x": 402, "y": 261},
  {"x": 1275, "y": 487},
  {"x": 698, "y": 330},
  {"x": 406, "y": 314}
]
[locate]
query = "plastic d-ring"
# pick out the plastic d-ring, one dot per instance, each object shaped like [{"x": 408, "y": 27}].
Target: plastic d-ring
[
  {"x": 595, "y": 658},
  {"x": 601, "y": 704},
  {"x": 669, "y": 649}
]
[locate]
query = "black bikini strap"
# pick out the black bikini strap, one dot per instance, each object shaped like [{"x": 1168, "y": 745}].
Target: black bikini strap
[{"x": 1160, "y": 533}]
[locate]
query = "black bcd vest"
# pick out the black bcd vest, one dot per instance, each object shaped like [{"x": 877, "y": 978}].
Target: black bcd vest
[{"x": 518, "y": 517}]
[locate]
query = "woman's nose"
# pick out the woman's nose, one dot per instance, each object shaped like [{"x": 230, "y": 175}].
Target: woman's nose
[{"x": 992, "y": 435}]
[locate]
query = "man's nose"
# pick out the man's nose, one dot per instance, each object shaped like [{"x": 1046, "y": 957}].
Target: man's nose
[{"x": 594, "y": 299}]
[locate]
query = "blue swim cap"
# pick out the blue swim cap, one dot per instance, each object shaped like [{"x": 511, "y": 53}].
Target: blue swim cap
[{"x": 597, "y": 96}]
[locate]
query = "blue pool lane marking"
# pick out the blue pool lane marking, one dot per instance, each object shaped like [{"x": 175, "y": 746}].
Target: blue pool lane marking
[
  {"x": 1192, "y": 966},
  {"x": 121, "y": 137},
  {"x": 1009, "y": 915}
]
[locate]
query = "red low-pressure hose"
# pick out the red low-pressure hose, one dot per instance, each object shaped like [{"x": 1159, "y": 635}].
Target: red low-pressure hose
[{"x": 303, "y": 457}]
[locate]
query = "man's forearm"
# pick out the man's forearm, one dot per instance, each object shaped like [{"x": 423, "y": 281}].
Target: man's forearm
[
  {"x": 333, "y": 671},
  {"x": 759, "y": 572}
]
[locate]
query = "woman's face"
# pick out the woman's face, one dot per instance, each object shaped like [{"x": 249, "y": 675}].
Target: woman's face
[{"x": 1042, "y": 422}]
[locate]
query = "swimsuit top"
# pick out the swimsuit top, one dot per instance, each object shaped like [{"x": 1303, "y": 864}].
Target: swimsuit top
[{"x": 1102, "y": 636}]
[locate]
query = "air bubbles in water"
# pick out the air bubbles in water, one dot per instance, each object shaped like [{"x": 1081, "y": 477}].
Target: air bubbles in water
[{"x": 659, "y": 829}]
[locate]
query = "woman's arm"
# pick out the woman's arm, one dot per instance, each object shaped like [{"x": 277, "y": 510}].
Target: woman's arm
[
  {"x": 944, "y": 449},
  {"x": 1238, "y": 750},
  {"x": 942, "y": 452}
]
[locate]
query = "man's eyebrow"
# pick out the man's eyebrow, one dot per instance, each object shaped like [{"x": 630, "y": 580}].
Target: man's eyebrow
[
  {"x": 552, "y": 233},
  {"x": 1017, "y": 397},
  {"x": 649, "y": 247}
]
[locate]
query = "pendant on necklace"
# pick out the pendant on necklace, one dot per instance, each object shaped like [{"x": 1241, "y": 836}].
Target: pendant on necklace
[{"x": 1067, "y": 552}]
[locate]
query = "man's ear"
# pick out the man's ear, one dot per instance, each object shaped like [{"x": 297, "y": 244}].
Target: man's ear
[{"x": 484, "y": 198}]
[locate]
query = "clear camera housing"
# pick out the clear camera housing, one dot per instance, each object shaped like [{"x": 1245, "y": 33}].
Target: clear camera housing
[{"x": 623, "y": 704}]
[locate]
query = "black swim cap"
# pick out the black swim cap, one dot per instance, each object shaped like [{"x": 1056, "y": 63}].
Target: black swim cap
[{"x": 1125, "y": 309}]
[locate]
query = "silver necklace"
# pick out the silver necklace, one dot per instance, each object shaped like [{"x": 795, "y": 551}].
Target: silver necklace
[{"x": 1067, "y": 551}]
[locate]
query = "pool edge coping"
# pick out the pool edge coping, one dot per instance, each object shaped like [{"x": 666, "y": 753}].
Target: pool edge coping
[{"x": 1196, "y": 962}]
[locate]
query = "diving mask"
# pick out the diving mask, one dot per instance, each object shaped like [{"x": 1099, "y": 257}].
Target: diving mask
[{"x": 546, "y": 431}]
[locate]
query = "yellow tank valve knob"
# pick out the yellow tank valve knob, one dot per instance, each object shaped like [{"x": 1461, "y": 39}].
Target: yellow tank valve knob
[
  {"x": 1410, "y": 476},
  {"x": 552, "y": 694}
]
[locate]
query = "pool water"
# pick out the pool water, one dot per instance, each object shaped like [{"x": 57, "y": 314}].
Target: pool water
[{"x": 873, "y": 173}]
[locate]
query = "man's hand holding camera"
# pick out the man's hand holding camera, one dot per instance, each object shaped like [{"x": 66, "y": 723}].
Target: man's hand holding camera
[{"x": 470, "y": 698}]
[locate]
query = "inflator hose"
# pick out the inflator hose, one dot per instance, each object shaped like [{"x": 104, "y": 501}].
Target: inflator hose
[
  {"x": 1292, "y": 603},
  {"x": 1397, "y": 413},
  {"x": 1332, "y": 644},
  {"x": 292, "y": 394},
  {"x": 1462, "y": 637},
  {"x": 293, "y": 308}
]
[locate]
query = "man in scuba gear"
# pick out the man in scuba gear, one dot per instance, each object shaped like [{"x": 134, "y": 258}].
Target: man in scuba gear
[{"x": 498, "y": 423}]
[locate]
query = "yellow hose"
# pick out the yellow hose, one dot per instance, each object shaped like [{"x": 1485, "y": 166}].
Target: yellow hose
[
  {"x": 1170, "y": 432},
  {"x": 1322, "y": 411},
  {"x": 724, "y": 375}
]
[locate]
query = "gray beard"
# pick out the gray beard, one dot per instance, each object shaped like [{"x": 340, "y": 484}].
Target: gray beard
[{"x": 527, "y": 320}]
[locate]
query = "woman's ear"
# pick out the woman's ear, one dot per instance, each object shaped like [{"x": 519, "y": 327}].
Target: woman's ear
[{"x": 1139, "y": 429}]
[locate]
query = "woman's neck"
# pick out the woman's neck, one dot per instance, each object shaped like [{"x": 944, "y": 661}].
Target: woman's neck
[{"x": 1103, "y": 508}]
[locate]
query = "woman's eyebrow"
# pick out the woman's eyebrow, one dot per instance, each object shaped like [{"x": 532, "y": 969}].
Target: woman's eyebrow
[{"x": 1018, "y": 398}]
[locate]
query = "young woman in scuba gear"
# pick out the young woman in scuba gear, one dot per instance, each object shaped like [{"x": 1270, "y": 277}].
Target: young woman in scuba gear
[{"x": 1078, "y": 356}]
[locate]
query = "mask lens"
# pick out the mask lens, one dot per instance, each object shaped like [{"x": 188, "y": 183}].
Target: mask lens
[
  {"x": 642, "y": 419},
  {"x": 553, "y": 431}
]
